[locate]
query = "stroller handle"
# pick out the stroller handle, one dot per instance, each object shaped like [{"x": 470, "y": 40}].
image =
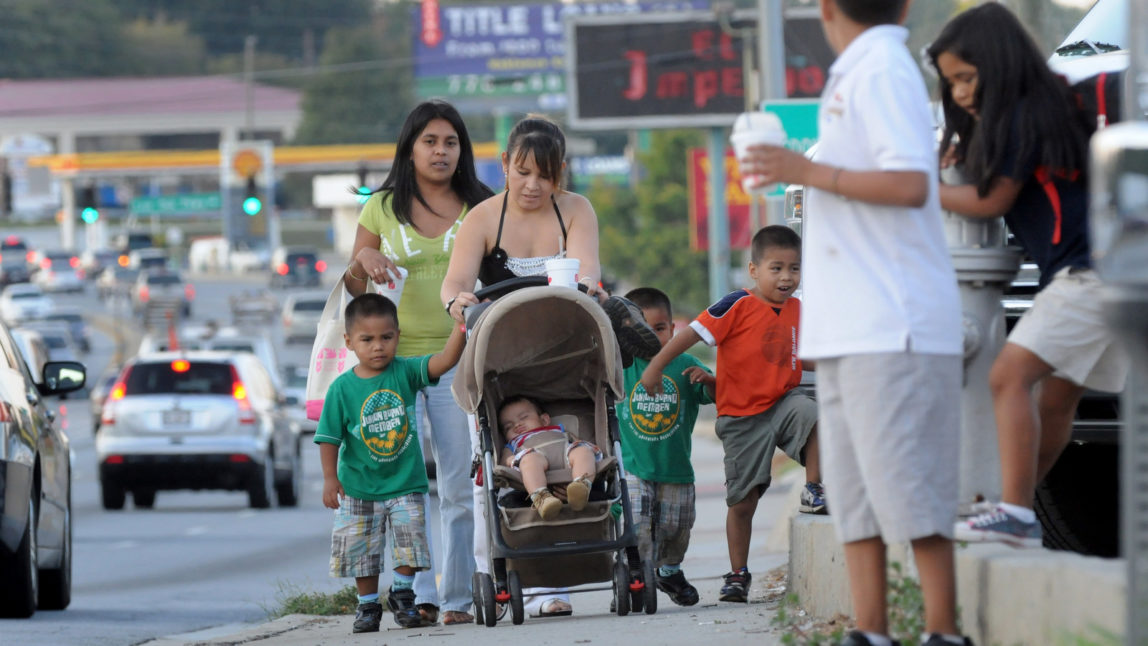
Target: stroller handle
[{"x": 502, "y": 288}]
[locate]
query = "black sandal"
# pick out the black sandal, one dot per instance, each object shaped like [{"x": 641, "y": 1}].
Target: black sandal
[{"x": 428, "y": 612}]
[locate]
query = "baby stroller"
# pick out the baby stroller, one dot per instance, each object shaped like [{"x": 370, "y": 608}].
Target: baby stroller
[{"x": 556, "y": 346}]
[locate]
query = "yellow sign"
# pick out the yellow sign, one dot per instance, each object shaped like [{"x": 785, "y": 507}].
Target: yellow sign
[{"x": 246, "y": 163}]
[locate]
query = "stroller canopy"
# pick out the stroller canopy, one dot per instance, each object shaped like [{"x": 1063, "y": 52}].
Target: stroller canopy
[{"x": 545, "y": 342}]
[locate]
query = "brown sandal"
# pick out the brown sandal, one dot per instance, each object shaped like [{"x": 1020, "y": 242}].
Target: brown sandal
[
  {"x": 428, "y": 613},
  {"x": 452, "y": 617}
]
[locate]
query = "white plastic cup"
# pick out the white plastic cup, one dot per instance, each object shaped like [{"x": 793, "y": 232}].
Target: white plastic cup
[
  {"x": 393, "y": 290},
  {"x": 750, "y": 129},
  {"x": 562, "y": 272}
]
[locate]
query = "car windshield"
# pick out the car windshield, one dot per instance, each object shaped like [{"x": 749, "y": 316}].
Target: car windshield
[
  {"x": 25, "y": 295},
  {"x": 163, "y": 279},
  {"x": 58, "y": 262},
  {"x": 13, "y": 245},
  {"x": 54, "y": 341},
  {"x": 309, "y": 306},
  {"x": 300, "y": 258},
  {"x": 233, "y": 347},
  {"x": 62, "y": 316},
  {"x": 178, "y": 377}
]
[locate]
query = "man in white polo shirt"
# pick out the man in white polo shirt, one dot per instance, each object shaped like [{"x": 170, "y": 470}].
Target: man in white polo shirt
[{"x": 882, "y": 316}]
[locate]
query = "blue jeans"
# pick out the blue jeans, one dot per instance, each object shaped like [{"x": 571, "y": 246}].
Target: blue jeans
[{"x": 452, "y": 454}]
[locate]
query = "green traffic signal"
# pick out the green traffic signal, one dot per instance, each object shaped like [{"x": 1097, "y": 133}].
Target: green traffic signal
[
  {"x": 364, "y": 193},
  {"x": 89, "y": 215},
  {"x": 252, "y": 205}
]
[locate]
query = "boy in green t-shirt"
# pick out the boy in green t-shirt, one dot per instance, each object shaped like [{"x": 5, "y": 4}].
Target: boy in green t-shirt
[
  {"x": 373, "y": 471},
  {"x": 656, "y": 445}
]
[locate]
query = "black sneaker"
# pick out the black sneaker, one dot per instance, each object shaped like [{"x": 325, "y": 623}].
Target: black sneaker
[
  {"x": 858, "y": 638},
  {"x": 367, "y": 617},
  {"x": 679, "y": 590},
  {"x": 736, "y": 586},
  {"x": 937, "y": 640},
  {"x": 635, "y": 337},
  {"x": 402, "y": 603}
]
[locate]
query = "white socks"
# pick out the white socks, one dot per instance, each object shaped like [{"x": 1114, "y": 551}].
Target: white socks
[{"x": 878, "y": 640}]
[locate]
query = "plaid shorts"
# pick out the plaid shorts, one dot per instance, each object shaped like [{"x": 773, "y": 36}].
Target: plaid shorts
[
  {"x": 361, "y": 527},
  {"x": 671, "y": 506}
]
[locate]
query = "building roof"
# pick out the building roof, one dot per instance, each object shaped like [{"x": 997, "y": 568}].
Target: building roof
[{"x": 91, "y": 97}]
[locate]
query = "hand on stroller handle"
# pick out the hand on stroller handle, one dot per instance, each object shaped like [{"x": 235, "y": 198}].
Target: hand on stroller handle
[{"x": 456, "y": 306}]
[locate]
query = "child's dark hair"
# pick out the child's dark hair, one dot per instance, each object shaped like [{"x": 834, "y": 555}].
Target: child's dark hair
[
  {"x": 872, "y": 12},
  {"x": 543, "y": 138},
  {"x": 1017, "y": 97},
  {"x": 369, "y": 304},
  {"x": 774, "y": 235},
  {"x": 514, "y": 399},
  {"x": 401, "y": 182},
  {"x": 649, "y": 298}
]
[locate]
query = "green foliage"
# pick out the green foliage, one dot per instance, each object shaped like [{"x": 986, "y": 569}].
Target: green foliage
[
  {"x": 1095, "y": 636},
  {"x": 906, "y": 606},
  {"x": 51, "y": 40},
  {"x": 798, "y": 630},
  {"x": 293, "y": 601},
  {"x": 644, "y": 232},
  {"x": 162, "y": 48}
]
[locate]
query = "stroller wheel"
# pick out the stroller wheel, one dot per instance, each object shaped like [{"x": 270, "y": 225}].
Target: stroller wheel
[
  {"x": 650, "y": 591},
  {"x": 489, "y": 609},
  {"x": 517, "y": 612},
  {"x": 621, "y": 587},
  {"x": 476, "y": 593}
]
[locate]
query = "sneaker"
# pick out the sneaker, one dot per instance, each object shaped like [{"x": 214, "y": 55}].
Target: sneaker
[
  {"x": 545, "y": 503},
  {"x": 937, "y": 640},
  {"x": 578, "y": 493},
  {"x": 367, "y": 617},
  {"x": 402, "y": 603},
  {"x": 813, "y": 499},
  {"x": 635, "y": 337},
  {"x": 679, "y": 590},
  {"x": 858, "y": 638},
  {"x": 736, "y": 586},
  {"x": 999, "y": 525}
]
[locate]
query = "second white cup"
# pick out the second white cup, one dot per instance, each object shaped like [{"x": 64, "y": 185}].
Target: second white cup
[
  {"x": 393, "y": 290},
  {"x": 752, "y": 128},
  {"x": 562, "y": 272}
]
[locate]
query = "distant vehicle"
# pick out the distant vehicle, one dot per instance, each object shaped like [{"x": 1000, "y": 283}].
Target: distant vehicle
[
  {"x": 207, "y": 254},
  {"x": 59, "y": 271},
  {"x": 13, "y": 247},
  {"x": 24, "y": 301},
  {"x": 57, "y": 337},
  {"x": 98, "y": 393},
  {"x": 295, "y": 391},
  {"x": 73, "y": 318},
  {"x": 247, "y": 258},
  {"x": 13, "y": 269},
  {"x": 226, "y": 339},
  {"x": 36, "y": 477},
  {"x": 253, "y": 307},
  {"x": 197, "y": 420},
  {"x": 162, "y": 289},
  {"x": 296, "y": 266},
  {"x": 94, "y": 262},
  {"x": 129, "y": 241},
  {"x": 301, "y": 312},
  {"x": 116, "y": 280},
  {"x": 150, "y": 259}
]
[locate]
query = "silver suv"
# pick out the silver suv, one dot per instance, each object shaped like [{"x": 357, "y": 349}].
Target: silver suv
[{"x": 197, "y": 420}]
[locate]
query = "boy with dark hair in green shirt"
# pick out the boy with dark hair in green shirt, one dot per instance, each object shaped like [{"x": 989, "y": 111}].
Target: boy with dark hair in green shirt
[
  {"x": 373, "y": 470},
  {"x": 656, "y": 444}
]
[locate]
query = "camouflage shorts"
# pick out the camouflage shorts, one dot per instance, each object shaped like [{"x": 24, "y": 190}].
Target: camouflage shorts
[{"x": 361, "y": 527}]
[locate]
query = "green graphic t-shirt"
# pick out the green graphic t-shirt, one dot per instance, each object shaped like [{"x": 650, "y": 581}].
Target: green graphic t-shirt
[
  {"x": 373, "y": 422},
  {"x": 424, "y": 323},
  {"x": 656, "y": 431}
]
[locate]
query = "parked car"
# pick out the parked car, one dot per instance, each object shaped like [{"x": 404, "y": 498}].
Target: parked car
[
  {"x": 197, "y": 420},
  {"x": 59, "y": 271},
  {"x": 162, "y": 289},
  {"x": 73, "y": 318},
  {"x": 116, "y": 280},
  {"x": 296, "y": 266},
  {"x": 36, "y": 478},
  {"x": 24, "y": 301},
  {"x": 301, "y": 312}
]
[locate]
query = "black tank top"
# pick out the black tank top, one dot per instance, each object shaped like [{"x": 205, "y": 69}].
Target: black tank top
[{"x": 494, "y": 267}]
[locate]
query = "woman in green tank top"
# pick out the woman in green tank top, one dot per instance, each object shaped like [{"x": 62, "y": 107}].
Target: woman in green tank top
[{"x": 411, "y": 222}]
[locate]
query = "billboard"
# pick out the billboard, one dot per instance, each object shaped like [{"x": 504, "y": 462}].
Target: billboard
[
  {"x": 677, "y": 70},
  {"x": 736, "y": 199},
  {"x": 510, "y": 57}
]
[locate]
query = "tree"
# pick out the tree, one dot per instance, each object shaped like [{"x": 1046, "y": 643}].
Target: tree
[
  {"x": 46, "y": 40},
  {"x": 644, "y": 233},
  {"x": 161, "y": 48}
]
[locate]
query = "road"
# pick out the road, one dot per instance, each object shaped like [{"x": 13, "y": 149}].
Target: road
[{"x": 204, "y": 560}]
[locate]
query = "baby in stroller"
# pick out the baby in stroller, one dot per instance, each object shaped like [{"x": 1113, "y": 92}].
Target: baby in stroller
[{"x": 533, "y": 445}]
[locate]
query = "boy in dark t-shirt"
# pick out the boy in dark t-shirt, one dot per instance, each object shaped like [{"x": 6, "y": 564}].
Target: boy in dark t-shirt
[{"x": 373, "y": 470}]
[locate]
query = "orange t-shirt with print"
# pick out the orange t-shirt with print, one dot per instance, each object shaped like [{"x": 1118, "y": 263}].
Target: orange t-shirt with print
[{"x": 757, "y": 351}]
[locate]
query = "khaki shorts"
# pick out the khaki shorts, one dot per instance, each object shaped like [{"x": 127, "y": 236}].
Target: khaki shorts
[
  {"x": 1066, "y": 329},
  {"x": 749, "y": 442}
]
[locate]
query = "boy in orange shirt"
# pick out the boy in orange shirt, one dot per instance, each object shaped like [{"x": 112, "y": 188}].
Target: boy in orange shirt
[{"x": 755, "y": 331}]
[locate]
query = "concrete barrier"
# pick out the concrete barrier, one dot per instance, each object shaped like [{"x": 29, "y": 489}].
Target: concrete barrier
[{"x": 1006, "y": 596}]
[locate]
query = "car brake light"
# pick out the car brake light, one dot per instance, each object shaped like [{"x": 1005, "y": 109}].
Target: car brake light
[
  {"x": 300, "y": 261},
  {"x": 144, "y": 294},
  {"x": 123, "y": 261},
  {"x": 320, "y": 266},
  {"x": 114, "y": 459},
  {"x": 189, "y": 292},
  {"x": 80, "y": 273},
  {"x": 180, "y": 365},
  {"x": 281, "y": 269},
  {"x": 45, "y": 264},
  {"x": 74, "y": 262},
  {"x": 239, "y": 392},
  {"x": 5, "y": 412},
  {"x": 239, "y": 457},
  {"x": 118, "y": 392},
  {"x": 30, "y": 256}
]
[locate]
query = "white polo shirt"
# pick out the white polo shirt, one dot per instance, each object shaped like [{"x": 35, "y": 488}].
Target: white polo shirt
[{"x": 877, "y": 278}]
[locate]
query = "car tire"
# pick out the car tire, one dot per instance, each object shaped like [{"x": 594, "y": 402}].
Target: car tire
[
  {"x": 56, "y": 584},
  {"x": 287, "y": 487},
  {"x": 20, "y": 582},
  {"x": 1078, "y": 513},
  {"x": 143, "y": 498},
  {"x": 112, "y": 495},
  {"x": 262, "y": 482}
]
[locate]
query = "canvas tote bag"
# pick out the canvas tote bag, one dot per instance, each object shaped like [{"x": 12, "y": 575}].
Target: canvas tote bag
[{"x": 330, "y": 356}]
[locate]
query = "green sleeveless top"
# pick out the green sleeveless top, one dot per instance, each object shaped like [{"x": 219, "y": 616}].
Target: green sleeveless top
[{"x": 425, "y": 325}]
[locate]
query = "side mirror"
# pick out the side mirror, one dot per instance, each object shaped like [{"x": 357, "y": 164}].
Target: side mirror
[{"x": 62, "y": 377}]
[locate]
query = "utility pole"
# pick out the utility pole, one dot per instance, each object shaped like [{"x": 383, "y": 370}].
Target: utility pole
[{"x": 249, "y": 84}]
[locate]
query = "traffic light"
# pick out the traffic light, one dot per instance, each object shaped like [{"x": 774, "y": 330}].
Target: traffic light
[
  {"x": 89, "y": 209},
  {"x": 252, "y": 202},
  {"x": 364, "y": 191}
]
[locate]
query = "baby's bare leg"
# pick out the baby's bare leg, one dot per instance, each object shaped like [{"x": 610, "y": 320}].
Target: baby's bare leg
[
  {"x": 533, "y": 466},
  {"x": 582, "y": 462}
]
